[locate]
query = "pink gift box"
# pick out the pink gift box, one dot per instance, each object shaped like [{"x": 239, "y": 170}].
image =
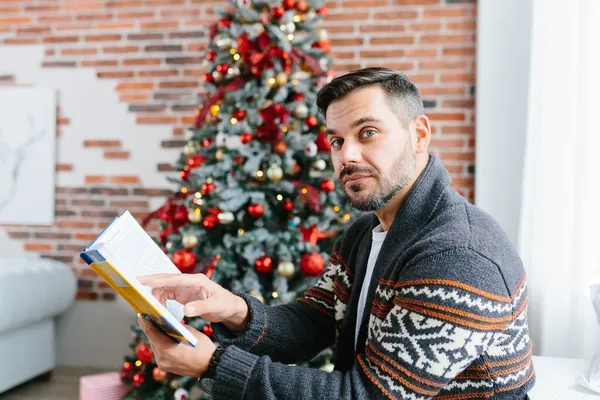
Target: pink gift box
[{"x": 105, "y": 386}]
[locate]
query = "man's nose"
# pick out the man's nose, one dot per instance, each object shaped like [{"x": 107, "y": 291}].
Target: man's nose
[{"x": 350, "y": 153}]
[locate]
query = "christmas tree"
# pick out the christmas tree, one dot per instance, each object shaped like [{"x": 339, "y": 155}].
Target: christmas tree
[{"x": 256, "y": 206}]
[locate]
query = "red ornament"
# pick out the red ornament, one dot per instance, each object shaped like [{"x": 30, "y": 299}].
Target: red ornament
[
  {"x": 311, "y": 121},
  {"x": 211, "y": 56},
  {"x": 195, "y": 161},
  {"x": 322, "y": 143},
  {"x": 224, "y": 23},
  {"x": 207, "y": 77},
  {"x": 180, "y": 217},
  {"x": 184, "y": 260},
  {"x": 246, "y": 137},
  {"x": 277, "y": 12},
  {"x": 298, "y": 97},
  {"x": 207, "y": 330},
  {"x": 322, "y": 11},
  {"x": 184, "y": 174},
  {"x": 144, "y": 353},
  {"x": 164, "y": 234},
  {"x": 255, "y": 210},
  {"x": 239, "y": 160},
  {"x": 239, "y": 114},
  {"x": 126, "y": 374},
  {"x": 288, "y": 206},
  {"x": 327, "y": 185},
  {"x": 280, "y": 147},
  {"x": 324, "y": 45},
  {"x": 289, "y": 4},
  {"x": 264, "y": 264},
  {"x": 206, "y": 142},
  {"x": 301, "y": 6},
  {"x": 243, "y": 44},
  {"x": 138, "y": 379},
  {"x": 210, "y": 221},
  {"x": 208, "y": 187},
  {"x": 312, "y": 264},
  {"x": 222, "y": 68}
]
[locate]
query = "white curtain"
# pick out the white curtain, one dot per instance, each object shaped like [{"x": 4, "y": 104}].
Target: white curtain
[{"x": 560, "y": 218}]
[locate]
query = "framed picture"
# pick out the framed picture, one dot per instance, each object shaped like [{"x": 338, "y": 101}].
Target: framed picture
[{"x": 27, "y": 155}]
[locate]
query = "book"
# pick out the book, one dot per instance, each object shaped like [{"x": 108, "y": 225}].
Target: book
[{"x": 121, "y": 253}]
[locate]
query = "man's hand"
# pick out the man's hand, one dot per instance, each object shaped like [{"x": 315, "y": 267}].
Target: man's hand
[
  {"x": 201, "y": 297},
  {"x": 179, "y": 358}
]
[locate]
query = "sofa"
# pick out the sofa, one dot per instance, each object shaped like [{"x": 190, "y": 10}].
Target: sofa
[{"x": 33, "y": 291}]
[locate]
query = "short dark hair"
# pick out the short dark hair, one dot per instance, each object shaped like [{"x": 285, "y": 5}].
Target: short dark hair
[{"x": 396, "y": 85}]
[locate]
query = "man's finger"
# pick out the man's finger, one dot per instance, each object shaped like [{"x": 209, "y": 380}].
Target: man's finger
[
  {"x": 201, "y": 307},
  {"x": 155, "y": 336},
  {"x": 171, "y": 280}
]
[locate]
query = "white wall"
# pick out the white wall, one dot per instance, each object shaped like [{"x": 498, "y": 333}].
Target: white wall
[
  {"x": 95, "y": 334},
  {"x": 503, "y": 33}
]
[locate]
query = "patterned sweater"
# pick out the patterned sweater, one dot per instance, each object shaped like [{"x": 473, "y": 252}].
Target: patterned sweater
[{"x": 446, "y": 314}]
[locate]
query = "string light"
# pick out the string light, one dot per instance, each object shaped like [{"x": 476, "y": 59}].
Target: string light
[
  {"x": 232, "y": 51},
  {"x": 284, "y": 129},
  {"x": 240, "y": 231},
  {"x": 236, "y": 57},
  {"x": 259, "y": 173},
  {"x": 290, "y": 37},
  {"x": 198, "y": 195},
  {"x": 234, "y": 121},
  {"x": 297, "y": 18},
  {"x": 138, "y": 363},
  {"x": 336, "y": 208},
  {"x": 275, "y": 295},
  {"x": 304, "y": 190},
  {"x": 271, "y": 81},
  {"x": 294, "y": 82},
  {"x": 279, "y": 197},
  {"x": 184, "y": 190}
]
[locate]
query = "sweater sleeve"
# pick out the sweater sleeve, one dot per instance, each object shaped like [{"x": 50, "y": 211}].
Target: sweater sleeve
[
  {"x": 434, "y": 328},
  {"x": 289, "y": 333}
]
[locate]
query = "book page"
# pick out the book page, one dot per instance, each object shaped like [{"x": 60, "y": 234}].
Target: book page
[{"x": 139, "y": 255}]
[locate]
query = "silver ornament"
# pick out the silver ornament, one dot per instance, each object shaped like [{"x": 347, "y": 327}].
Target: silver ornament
[
  {"x": 322, "y": 34},
  {"x": 189, "y": 149},
  {"x": 301, "y": 111},
  {"x": 189, "y": 240},
  {"x": 225, "y": 217},
  {"x": 320, "y": 165},
  {"x": 217, "y": 76},
  {"x": 275, "y": 173},
  {"x": 311, "y": 149}
]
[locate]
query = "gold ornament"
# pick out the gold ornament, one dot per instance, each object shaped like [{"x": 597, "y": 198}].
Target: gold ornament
[
  {"x": 275, "y": 173},
  {"x": 189, "y": 149},
  {"x": 189, "y": 240},
  {"x": 281, "y": 78},
  {"x": 257, "y": 295},
  {"x": 214, "y": 110},
  {"x": 219, "y": 155},
  {"x": 226, "y": 217},
  {"x": 344, "y": 218},
  {"x": 195, "y": 216},
  {"x": 286, "y": 269}
]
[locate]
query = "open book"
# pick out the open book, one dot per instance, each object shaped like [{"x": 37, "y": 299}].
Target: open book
[{"x": 120, "y": 254}]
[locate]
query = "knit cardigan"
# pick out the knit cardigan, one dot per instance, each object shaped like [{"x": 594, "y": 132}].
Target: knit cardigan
[{"x": 446, "y": 314}]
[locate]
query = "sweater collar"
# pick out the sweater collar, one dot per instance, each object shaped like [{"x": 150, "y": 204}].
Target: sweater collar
[{"x": 420, "y": 203}]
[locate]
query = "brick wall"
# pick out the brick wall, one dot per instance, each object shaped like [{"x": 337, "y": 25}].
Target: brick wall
[{"x": 150, "y": 51}]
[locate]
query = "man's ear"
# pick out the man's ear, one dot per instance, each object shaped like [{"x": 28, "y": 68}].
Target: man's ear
[{"x": 422, "y": 131}]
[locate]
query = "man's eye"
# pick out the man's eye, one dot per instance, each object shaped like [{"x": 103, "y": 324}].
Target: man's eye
[
  {"x": 368, "y": 133},
  {"x": 336, "y": 143}
]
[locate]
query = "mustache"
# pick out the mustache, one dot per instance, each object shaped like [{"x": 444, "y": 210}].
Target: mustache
[{"x": 355, "y": 169}]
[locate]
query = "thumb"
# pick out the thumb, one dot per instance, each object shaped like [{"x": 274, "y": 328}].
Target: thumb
[{"x": 200, "y": 308}]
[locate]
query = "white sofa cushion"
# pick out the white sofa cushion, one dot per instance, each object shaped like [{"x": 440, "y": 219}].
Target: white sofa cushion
[{"x": 33, "y": 288}]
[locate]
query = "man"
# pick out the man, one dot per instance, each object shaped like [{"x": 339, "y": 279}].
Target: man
[{"x": 423, "y": 298}]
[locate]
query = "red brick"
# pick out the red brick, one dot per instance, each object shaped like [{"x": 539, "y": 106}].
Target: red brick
[
  {"x": 103, "y": 38},
  {"x": 347, "y": 42},
  {"x": 442, "y": 65},
  {"x": 116, "y": 155},
  {"x": 124, "y": 3},
  {"x": 467, "y": 155},
  {"x": 158, "y": 73},
  {"x": 421, "y": 53},
  {"x": 392, "y": 40},
  {"x": 75, "y": 224},
  {"x": 194, "y": 47},
  {"x": 342, "y": 55},
  {"x": 95, "y": 179},
  {"x": 131, "y": 97},
  {"x": 124, "y": 179},
  {"x": 136, "y": 14},
  {"x": 79, "y": 51},
  {"x": 34, "y": 30},
  {"x": 441, "y": 91},
  {"x": 102, "y": 143},
  {"x": 86, "y": 236},
  {"x": 354, "y": 16},
  {"x": 350, "y": 4},
  {"x": 120, "y": 49},
  {"x": 61, "y": 39},
  {"x": 159, "y": 25},
  {"x": 453, "y": 129},
  {"x": 15, "y": 20},
  {"x": 188, "y": 120},
  {"x": 397, "y": 15},
  {"x": 54, "y": 19},
  {"x": 100, "y": 63},
  {"x": 446, "y": 12},
  {"x": 178, "y": 84},
  {"x": 59, "y": 64},
  {"x": 381, "y": 28},
  {"x": 21, "y": 40},
  {"x": 94, "y": 17},
  {"x": 461, "y": 25},
  {"x": 129, "y": 203},
  {"x": 33, "y": 246},
  {"x": 458, "y": 51},
  {"x": 82, "y": 26},
  {"x": 459, "y": 103},
  {"x": 438, "y": 116},
  {"x": 115, "y": 25},
  {"x": 425, "y": 27},
  {"x": 143, "y": 85},
  {"x": 444, "y": 39},
  {"x": 156, "y": 119},
  {"x": 115, "y": 74},
  {"x": 338, "y": 28},
  {"x": 142, "y": 61},
  {"x": 83, "y": 5},
  {"x": 463, "y": 77},
  {"x": 180, "y": 13},
  {"x": 64, "y": 167},
  {"x": 447, "y": 143}
]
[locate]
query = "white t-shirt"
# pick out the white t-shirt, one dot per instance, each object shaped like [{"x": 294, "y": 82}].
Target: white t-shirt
[{"x": 378, "y": 238}]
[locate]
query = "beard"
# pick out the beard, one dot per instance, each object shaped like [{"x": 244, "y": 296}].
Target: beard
[{"x": 401, "y": 175}]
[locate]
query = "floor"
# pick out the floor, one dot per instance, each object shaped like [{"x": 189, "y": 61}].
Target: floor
[{"x": 64, "y": 385}]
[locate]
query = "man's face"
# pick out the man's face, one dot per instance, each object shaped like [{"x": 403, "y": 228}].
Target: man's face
[{"x": 372, "y": 151}]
